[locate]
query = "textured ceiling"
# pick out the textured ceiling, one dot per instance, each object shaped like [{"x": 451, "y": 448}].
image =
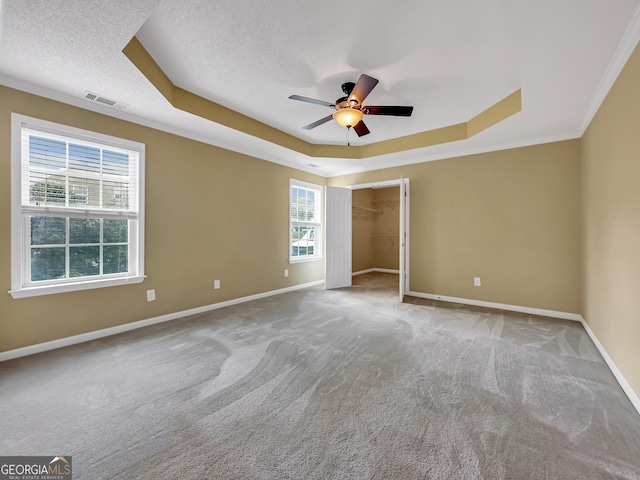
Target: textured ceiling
[
  {"x": 255, "y": 54},
  {"x": 450, "y": 59}
]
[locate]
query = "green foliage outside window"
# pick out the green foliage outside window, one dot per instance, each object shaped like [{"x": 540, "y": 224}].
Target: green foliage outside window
[{"x": 49, "y": 253}]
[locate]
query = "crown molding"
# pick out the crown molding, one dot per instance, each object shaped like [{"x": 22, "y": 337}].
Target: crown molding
[
  {"x": 465, "y": 152},
  {"x": 145, "y": 122},
  {"x": 625, "y": 48}
]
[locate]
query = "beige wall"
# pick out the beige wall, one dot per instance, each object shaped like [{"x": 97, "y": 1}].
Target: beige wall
[
  {"x": 511, "y": 217},
  {"x": 210, "y": 214},
  {"x": 362, "y": 226},
  {"x": 386, "y": 250},
  {"x": 375, "y": 232},
  {"x": 611, "y": 222}
]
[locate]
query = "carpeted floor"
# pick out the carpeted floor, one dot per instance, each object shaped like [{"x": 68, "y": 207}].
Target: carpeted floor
[{"x": 315, "y": 384}]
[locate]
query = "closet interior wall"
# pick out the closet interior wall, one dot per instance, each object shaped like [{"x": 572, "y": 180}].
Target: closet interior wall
[{"x": 375, "y": 229}]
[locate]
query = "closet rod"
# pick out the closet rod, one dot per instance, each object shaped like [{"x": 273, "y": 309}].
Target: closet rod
[{"x": 365, "y": 209}]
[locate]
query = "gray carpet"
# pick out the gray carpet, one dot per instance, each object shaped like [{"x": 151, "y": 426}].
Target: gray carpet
[{"x": 314, "y": 384}]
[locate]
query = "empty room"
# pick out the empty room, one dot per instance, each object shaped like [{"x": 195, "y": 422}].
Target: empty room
[{"x": 292, "y": 240}]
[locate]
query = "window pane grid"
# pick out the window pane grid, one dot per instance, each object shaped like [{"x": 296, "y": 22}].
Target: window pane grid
[
  {"x": 69, "y": 252},
  {"x": 61, "y": 173},
  {"x": 304, "y": 211}
]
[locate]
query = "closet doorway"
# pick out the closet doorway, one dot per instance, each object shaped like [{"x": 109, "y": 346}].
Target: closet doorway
[
  {"x": 339, "y": 246},
  {"x": 375, "y": 230},
  {"x": 379, "y": 225}
]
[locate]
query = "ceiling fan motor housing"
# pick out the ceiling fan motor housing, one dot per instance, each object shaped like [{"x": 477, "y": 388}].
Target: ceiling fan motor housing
[
  {"x": 343, "y": 102},
  {"x": 347, "y": 88}
]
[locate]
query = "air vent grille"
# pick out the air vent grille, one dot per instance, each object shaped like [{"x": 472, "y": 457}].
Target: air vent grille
[{"x": 94, "y": 97}]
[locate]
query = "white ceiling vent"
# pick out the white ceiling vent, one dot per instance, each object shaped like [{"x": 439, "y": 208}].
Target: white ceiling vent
[{"x": 94, "y": 97}]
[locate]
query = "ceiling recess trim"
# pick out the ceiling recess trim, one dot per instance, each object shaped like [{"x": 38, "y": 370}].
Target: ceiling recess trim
[{"x": 194, "y": 104}]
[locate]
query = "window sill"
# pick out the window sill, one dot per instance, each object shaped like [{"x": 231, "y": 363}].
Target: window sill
[
  {"x": 302, "y": 260},
  {"x": 73, "y": 287}
]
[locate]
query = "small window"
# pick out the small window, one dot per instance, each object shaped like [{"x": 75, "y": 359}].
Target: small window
[
  {"x": 77, "y": 209},
  {"x": 305, "y": 219}
]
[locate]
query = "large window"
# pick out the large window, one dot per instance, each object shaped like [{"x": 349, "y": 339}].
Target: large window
[
  {"x": 77, "y": 209},
  {"x": 305, "y": 201}
]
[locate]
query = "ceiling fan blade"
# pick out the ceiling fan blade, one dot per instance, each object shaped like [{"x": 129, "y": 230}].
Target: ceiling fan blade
[
  {"x": 311, "y": 100},
  {"x": 317, "y": 123},
  {"x": 362, "y": 89},
  {"x": 394, "y": 110},
  {"x": 361, "y": 129}
]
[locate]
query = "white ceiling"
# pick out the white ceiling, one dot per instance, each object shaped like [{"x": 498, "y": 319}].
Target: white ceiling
[{"x": 450, "y": 59}]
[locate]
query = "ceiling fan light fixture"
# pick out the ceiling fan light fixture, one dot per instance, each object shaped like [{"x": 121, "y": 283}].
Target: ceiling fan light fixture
[
  {"x": 349, "y": 110},
  {"x": 348, "y": 117}
]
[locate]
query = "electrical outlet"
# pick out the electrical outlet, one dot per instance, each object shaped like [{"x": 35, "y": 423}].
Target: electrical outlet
[
  {"x": 286, "y": 272},
  {"x": 477, "y": 282},
  {"x": 216, "y": 284},
  {"x": 151, "y": 295}
]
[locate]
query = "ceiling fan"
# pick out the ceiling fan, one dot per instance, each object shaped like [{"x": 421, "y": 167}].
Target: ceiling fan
[{"x": 349, "y": 109}]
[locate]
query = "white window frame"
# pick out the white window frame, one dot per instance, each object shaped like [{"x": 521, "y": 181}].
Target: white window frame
[
  {"x": 20, "y": 216},
  {"x": 317, "y": 224}
]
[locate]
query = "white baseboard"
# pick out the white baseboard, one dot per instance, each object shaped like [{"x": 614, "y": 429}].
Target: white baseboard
[
  {"x": 382, "y": 270},
  {"x": 500, "y": 306},
  {"x": 106, "y": 332},
  {"x": 633, "y": 396}
]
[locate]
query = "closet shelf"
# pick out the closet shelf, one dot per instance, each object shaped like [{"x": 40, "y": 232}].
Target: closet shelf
[
  {"x": 386, "y": 200},
  {"x": 365, "y": 209}
]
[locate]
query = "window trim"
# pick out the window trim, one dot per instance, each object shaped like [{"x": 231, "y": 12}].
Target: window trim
[
  {"x": 318, "y": 255},
  {"x": 19, "y": 261}
]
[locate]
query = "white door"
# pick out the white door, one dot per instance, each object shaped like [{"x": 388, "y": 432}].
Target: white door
[
  {"x": 338, "y": 237},
  {"x": 404, "y": 186}
]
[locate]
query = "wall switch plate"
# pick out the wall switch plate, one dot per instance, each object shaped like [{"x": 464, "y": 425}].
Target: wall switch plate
[
  {"x": 286, "y": 272},
  {"x": 151, "y": 295},
  {"x": 216, "y": 284},
  {"x": 477, "y": 282}
]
